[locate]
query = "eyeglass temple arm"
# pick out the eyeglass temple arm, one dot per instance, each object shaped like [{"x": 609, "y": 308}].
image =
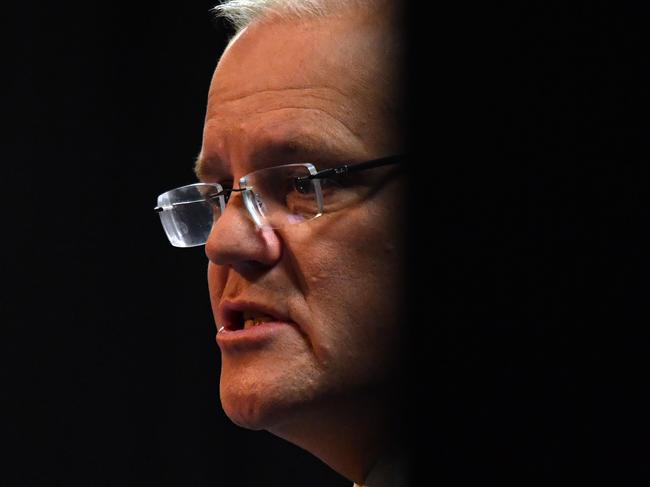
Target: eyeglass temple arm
[
  {"x": 158, "y": 209},
  {"x": 326, "y": 173},
  {"x": 348, "y": 168},
  {"x": 212, "y": 196}
]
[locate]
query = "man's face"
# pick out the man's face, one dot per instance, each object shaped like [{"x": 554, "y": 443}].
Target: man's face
[{"x": 293, "y": 92}]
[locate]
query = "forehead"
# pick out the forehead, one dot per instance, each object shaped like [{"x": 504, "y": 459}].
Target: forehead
[
  {"x": 334, "y": 51},
  {"x": 291, "y": 81}
]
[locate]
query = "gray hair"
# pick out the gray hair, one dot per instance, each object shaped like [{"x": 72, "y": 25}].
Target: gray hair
[{"x": 240, "y": 13}]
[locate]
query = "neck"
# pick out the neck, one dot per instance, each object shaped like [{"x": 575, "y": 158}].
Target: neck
[
  {"x": 392, "y": 469},
  {"x": 349, "y": 436}
]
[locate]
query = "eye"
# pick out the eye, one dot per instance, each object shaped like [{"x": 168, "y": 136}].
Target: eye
[
  {"x": 306, "y": 186},
  {"x": 303, "y": 185}
]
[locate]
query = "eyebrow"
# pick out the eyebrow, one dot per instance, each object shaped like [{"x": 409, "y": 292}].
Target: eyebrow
[
  {"x": 307, "y": 147},
  {"x": 202, "y": 169}
]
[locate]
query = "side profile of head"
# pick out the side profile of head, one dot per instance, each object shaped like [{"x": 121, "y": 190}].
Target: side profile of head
[{"x": 305, "y": 268}]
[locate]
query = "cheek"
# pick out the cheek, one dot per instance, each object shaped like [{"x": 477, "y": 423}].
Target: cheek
[
  {"x": 356, "y": 328},
  {"x": 257, "y": 389},
  {"x": 213, "y": 286},
  {"x": 353, "y": 290},
  {"x": 216, "y": 283}
]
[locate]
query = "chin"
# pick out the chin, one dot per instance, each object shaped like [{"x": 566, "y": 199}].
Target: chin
[
  {"x": 264, "y": 397},
  {"x": 247, "y": 410},
  {"x": 253, "y": 404}
]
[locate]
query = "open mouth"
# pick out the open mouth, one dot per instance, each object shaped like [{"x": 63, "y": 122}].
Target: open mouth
[
  {"x": 252, "y": 319},
  {"x": 252, "y": 326},
  {"x": 236, "y": 317}
]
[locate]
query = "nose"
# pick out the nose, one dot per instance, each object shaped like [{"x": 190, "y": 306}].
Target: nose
[{"x": 235, "y": 240}]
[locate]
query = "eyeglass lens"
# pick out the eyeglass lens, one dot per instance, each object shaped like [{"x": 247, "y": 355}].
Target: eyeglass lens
[{"x": 275, "y": 196}]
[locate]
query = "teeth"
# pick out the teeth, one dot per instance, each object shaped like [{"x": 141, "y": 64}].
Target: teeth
[
  {"x": 250, "y": 321},
  {"x": 252, "y": 315}
]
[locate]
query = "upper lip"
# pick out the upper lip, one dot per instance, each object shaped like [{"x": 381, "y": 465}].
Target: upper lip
[{"x": 230, "y": 313}]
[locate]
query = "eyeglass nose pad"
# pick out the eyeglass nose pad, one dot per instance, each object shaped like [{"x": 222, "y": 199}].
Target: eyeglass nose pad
[
  {"x": 255, "y": 207},
  {"x": 218, "y": 200}
]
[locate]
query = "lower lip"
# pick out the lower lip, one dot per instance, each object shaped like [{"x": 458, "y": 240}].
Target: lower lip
[{"x": 250, "y": 337}]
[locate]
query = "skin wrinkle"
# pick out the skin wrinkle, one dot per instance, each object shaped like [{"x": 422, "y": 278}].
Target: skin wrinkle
[
  {"x": 323, "y": 388},
  {"x": 344, "y": 97},
  {"x": 328, "y": 271},
  {"x": 307, "y": 135},
  {"x": 305, "y": 285},
  {"x": 316, "y": 109},
  {"x": 214, "y": 119},
  {"x": 263, "y": 105},
  {"x": 203, "y": 166},
  {"x": 340, "y": 95},
  {"x": 319, "y": 352}
]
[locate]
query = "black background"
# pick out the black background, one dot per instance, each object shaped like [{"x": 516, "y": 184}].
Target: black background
[
  {"x": 111, "y": 373},
  {"x": 528, "y": 224}
]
